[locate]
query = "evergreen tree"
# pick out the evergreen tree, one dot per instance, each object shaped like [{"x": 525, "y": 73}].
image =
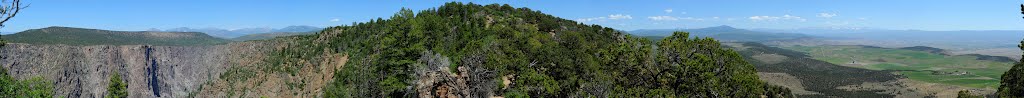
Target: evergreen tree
[
  {"x": 1012, "y": 82},
  {"x": 35, "y": 87},
  {"x": 116, "y": 88}
]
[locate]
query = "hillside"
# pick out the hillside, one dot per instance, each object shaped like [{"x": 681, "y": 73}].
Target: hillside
[
  {"x": 470, "y": 50},
  {"x": 723, "y": 33},
  {"x": 82, "y": 36},
  {"x": 960, "y": 70},
  {"x": 927, "y": 49},
  {"x": 808, "y": 76}
]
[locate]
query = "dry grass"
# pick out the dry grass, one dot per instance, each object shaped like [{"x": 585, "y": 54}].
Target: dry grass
[
  {"x": 770, "y": 58},
  {"x": 785, "y": 80}
]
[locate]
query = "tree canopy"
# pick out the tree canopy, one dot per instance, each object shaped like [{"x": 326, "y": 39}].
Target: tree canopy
[
  {"x": 1012, "y": 83},
  {"x": 541, "y": 55}
]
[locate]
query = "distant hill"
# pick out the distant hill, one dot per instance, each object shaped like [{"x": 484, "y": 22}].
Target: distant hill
[
  {"x": 992, "y": 58},
  {"x": 723, "y": 33},
  {"x": 952, "y": 40},
  {"x": 262, "y": 36},
  {"x": 225, "y": 33},
  {"x": 823, "y": 30},
  {"x": 811, "y": 78},
  {"x": 947, "y": 53},
  {"x": 298, "y": 29},
  {"x": 83, "y": 36},
  {"x": 927, "y": 49}
]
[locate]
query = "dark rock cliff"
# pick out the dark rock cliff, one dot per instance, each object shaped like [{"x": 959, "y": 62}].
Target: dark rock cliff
[{"x": 149, "y": 71}]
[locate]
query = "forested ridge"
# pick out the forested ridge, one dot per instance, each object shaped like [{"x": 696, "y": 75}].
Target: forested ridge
[
  {"x": 85, "y": 37},
  {"x": 470, "y": 50}
]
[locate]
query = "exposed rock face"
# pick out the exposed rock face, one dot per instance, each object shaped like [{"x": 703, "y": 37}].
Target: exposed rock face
[
  {"x": 251, "y": 80},
  {"x": 149, "y": 71},
  {"x": 435, "y": 79}
]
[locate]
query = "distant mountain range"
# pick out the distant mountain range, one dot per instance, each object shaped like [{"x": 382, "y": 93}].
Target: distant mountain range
[
  {"x": 822, "y": 30},
  {"x": 83, "y": 36},
  {"x": 723, "y": 33},
  {"x": 226, "y": 33},
  {"x": 912, "y": 35},
  {"x": 960, "y": 42},
  {"x": 262, "y": 36}
]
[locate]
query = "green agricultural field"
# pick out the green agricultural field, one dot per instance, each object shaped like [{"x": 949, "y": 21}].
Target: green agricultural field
[{"x": 916, "y": 65}]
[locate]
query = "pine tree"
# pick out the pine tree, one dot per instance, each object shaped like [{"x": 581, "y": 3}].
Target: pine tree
[
  {"x": 1011, "y": 85},
  {"x": 116, "y": 88}
]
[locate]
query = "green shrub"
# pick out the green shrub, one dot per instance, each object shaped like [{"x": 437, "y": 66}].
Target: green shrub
[
  {"x": 35, "y": 87},
  {"x": 116, "y": 88}
]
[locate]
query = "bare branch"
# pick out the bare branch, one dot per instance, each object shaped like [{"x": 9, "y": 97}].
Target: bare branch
[{"x": 10, "y": 10}]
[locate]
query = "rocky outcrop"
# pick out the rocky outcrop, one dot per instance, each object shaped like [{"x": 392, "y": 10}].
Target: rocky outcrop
[
  {"x": 254, "y": 80},
  {"x": 149, "y": 71},
  {"x": 435, "y": 79}
]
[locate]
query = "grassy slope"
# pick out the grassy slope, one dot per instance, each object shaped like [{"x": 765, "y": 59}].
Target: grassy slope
[
  {"x": 916, "y": 65},
  {"x": 82, "y": 36}
]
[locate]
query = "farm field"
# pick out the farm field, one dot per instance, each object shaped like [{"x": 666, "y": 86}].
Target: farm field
[{"x": 924, "y": 66}]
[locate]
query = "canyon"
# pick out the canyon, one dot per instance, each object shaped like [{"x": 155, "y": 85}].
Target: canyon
[{"x": 149, "y": 71}]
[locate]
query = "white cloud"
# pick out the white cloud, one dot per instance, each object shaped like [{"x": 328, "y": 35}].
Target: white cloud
[
  {"x": 827, "y": 15},
  {"x": 619, "y": 16},
  {"x": 663, "y": 18},
  {"x": 603, "y": 18},
  {"x": 668, "y": 10},
  {"x": 788, "y": 17},
  {"x": 335, "y": 20},
  {"x": 759, "y": 18},
  {"x": 591, "y": 19},
  {"x": 691, "y": 18},
  {"x": 777, "y": 18},
  {"x": 839, "y": 23},
  {"x": 670, "y": 18}
]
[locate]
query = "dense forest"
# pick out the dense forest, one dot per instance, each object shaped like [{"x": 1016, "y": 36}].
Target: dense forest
[{"x": 470, "y": 50}]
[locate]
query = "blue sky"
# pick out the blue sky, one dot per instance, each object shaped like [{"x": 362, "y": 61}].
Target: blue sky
[{"x": 137, "y": 15}]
